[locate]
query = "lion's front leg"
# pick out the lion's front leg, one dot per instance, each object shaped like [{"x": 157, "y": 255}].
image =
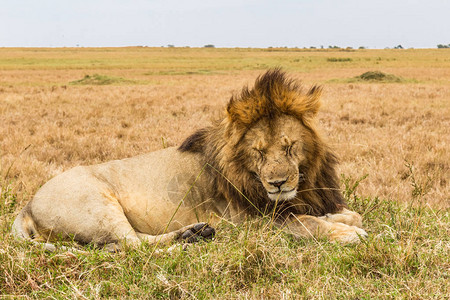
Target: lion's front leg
[
  {"x": 191, "y": 233},
  {"x": 344, "y": 216},
  {"x": 310, "y": 226}
]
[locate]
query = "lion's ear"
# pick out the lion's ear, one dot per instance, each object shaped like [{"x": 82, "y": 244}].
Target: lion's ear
[
  {"x": 302, "y": 105},
  {"x": 312, "y": 102},
  {"x": 248, "y": 111},
  {"x": 230, "y": 109},
  {"x": 195, "y": 143}
]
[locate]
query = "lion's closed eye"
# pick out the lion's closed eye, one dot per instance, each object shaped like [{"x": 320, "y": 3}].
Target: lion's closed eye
[
  {"x": 259, "y": 148},
  {"x": 261, "y": 153},
  {"x": 290, "y": 149}
]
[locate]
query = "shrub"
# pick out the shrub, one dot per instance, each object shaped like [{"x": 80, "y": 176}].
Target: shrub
[
  {"x": 98, "y": 79},
  {"x": 339, "y": 59},
  {"x": 378, "y": 76}
]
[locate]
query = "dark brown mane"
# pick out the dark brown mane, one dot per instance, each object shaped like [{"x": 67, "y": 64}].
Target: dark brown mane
[{"x": 272, "y": 95}]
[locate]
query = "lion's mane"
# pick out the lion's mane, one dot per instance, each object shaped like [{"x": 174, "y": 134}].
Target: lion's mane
[{"x": 273, "y": 94}]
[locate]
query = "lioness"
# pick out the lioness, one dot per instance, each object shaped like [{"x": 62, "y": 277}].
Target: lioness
[{"x": 264, "y": 157}]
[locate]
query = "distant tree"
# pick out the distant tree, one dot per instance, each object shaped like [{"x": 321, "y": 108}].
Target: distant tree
[
  {"x": 209, "y": 46},
  {"x": 440, "y": 46},
  {"x": 170, "y": 46},
  {"x": 362, "y": 47},
  {"x": 399, "y": 47}
]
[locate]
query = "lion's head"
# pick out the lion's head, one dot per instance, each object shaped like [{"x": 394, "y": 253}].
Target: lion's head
[{"x": 267, "y": 150}]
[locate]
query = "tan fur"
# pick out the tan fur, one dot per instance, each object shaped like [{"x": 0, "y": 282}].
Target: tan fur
[{"x": 264, "y": 158}]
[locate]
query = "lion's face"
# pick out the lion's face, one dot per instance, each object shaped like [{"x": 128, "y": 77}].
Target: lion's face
[{"x": 275, "y": 153}]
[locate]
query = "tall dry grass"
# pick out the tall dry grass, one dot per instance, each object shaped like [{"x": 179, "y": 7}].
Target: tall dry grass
[{"x": 375, "y": 128}]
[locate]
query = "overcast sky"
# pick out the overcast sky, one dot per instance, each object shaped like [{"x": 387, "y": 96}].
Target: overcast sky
[{"x": 230, "y": 23}]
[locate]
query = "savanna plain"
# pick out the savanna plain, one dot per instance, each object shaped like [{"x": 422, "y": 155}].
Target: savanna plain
[{"x": 64, "y": 107}]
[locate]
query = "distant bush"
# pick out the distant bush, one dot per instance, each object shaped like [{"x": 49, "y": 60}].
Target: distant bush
[
  {"x": 339, "y": 59},
  {"x": 440, "y": 46},
  {"x": 97, "y": 79},
  {"x": 378, "y": 77},
  {"x": 209, "y": 46}
]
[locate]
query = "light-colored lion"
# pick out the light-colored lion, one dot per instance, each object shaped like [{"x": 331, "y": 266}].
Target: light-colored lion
[{"x": 265, "y": 157}]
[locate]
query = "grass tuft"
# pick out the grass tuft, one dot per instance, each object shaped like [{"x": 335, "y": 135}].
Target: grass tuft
[
  {"x": 339, "y": 59},
  {"x": 98, "y": 79},
  {"x": 377, "y": 76}
]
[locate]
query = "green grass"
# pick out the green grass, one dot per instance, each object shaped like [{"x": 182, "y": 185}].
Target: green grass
[
  {"x": 213, "y": 59},
  {"x": 405, "y": 256}
]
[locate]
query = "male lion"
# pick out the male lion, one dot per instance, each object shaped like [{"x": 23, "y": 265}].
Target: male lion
[{"x": 265, "y": 157}]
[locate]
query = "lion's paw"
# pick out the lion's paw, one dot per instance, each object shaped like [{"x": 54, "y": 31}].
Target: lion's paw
[
  {"x": 198, "y": 232},
  {"x": 346, "y": 216},
  {"x": 347, "y": 234}
]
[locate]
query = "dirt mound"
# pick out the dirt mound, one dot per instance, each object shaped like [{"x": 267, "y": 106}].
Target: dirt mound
[
  {"x": 97, "y": 79},
  {"x": 378, "y": 77}
]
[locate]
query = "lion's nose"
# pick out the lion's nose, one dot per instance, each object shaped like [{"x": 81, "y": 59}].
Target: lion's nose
[{"x": 277, "y": 183}]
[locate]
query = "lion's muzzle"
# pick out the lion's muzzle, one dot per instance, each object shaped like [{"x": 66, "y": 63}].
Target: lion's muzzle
[
  {"x": 280, "y": 181},
  {"x": 281, "y": 189},
  {"x": 282, "y": 195}
]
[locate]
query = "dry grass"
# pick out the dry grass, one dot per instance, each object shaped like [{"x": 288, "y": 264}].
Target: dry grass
[
  {"x": 375, "y": 128},
  {"x": 397, "y": 133}
]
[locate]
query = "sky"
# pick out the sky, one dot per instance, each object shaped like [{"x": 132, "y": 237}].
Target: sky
[{"x": 230, "y": 23}]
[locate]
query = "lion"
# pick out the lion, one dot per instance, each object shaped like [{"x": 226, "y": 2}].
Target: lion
[{"x": 265, "y": 157}]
